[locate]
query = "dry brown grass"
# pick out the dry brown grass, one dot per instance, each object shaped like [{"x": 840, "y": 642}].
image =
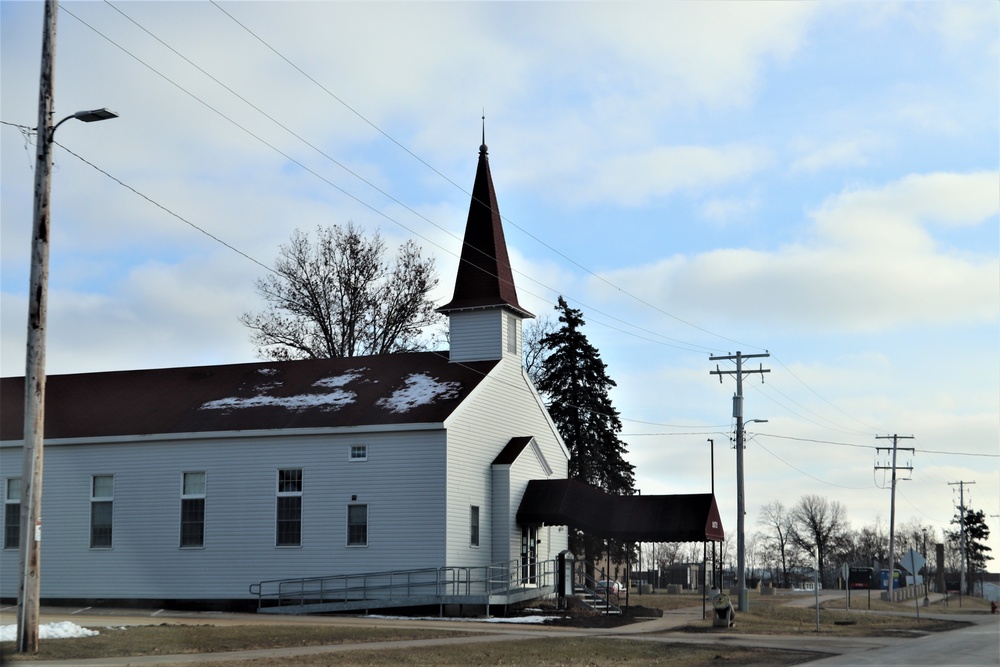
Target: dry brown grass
[
  {"x": 167, "y": 639},
  {"x": 953, "y": 605},
  {"x": 559, "y": 652},
  {"x": 770, "y": 615},
  {"x": 590, "y": 651}
]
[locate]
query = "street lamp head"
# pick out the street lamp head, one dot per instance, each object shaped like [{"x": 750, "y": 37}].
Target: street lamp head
[
  {"x": 95, "y": 114},
  {"x": 756, "y": 421}
]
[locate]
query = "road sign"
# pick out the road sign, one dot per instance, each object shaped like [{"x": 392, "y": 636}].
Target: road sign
[{"x": 913, "y": 561}]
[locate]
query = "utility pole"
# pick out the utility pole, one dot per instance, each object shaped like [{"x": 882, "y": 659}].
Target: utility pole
[
  {"x": 29, "y": 588},
  {"x": 892, "y": 503},
  {"x": 29, "y": 542},
  {"x": 711, "y": 442},
  {"x": 961, "y": 526},
  {"x": 741, "y": 575}
]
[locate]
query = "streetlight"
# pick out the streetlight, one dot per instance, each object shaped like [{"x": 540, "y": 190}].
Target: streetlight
[
  {"x": 741, "y": 560},
  {"x": 34, "y": 378}
]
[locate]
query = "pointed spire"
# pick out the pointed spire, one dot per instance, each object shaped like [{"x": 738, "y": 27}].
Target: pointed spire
[{"x": 484, "y": 275}]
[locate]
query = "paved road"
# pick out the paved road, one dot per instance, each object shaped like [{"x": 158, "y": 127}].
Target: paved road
[{"x": 977, "y": 645}]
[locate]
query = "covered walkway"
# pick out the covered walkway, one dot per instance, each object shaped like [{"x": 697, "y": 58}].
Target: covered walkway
[{"x": 674, "y": 518}]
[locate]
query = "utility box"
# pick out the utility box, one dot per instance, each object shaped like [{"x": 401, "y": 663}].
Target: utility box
[
  {"x": 564, "y": 581},
  {"x": 725, "y": 615}
]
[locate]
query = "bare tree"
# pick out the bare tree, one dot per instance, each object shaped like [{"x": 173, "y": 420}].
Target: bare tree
[
  {"x": 780, "y": 527},
  {"x": 872, "y": 544},
  {"x": 337, "y": 296},
  {"x": 532, "y": 349},
  {"x": 820, "y": 527}
]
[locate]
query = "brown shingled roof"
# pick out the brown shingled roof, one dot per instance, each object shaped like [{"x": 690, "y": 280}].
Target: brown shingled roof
[
  {"x": 484, "y": 275},
  {"x": 421, "y": 387}
]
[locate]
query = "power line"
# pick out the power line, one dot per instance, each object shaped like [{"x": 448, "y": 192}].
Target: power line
[
  {"x": 693, "y": 347},
  {"x": 504, "y": 218},
  {"x": 803, "y": 472},
  {"x": 684, "y": 345},
  {"x": 165, "y": 209}
]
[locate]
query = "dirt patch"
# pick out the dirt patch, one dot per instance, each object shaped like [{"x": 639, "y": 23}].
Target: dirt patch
[{"x": 582, "y": 617}]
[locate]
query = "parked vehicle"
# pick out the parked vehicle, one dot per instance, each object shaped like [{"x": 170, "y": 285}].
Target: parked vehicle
[{"x": 610, "y": 587}]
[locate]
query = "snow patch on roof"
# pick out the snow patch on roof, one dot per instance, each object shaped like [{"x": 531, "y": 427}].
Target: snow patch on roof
[
  {"x": 419, "y": 389},
  {"x": 342, "y": 379},
  {"x": 329, "y": 401}
]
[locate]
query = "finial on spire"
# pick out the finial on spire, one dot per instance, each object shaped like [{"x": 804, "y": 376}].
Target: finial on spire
[{"x": 482, "y": 147}]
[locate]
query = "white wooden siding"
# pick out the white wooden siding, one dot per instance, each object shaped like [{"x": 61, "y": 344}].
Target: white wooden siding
[
  {"x": 502, "y": 407},
  {"x": 402, "y": 482},
  {"x": 477, "y": 335}
]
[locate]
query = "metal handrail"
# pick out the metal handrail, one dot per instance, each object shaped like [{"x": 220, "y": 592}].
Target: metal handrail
[
  {"x": 590, "y": 585},
  {"x": 497, "y": 579}
]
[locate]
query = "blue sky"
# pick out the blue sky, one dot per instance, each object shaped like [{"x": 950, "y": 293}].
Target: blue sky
[{"x": 819, "y": 180}]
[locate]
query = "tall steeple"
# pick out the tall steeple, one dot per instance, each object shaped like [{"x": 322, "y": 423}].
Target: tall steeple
[
  {"x": 484, "y": 316},
  {"x": 484, "y": 276}
]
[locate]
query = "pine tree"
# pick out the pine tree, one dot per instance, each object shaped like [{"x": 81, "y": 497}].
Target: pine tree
[
  {"x": 575, "y": 383},
  {"x": 977, "y": 532}
]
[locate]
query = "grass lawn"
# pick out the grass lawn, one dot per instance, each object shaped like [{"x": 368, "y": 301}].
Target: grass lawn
[
  {"x": 767, "y": 615},
  {"x": 168, "y": 639},
  {"x": 591, "y": 651}
]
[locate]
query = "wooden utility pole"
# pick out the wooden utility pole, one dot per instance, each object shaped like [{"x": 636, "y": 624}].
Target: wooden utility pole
[
  {"x": 961, "y": 527},
  {"x": 34, "y": 378},
  {"x": 741, "y": 576},
  {"x": 892, "y": 502}
]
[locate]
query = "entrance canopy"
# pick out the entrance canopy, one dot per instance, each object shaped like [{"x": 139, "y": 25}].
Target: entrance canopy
[{"x": 569, "y": 502}]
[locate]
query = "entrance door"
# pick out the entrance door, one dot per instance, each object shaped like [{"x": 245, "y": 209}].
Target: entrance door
[{"x": 529, "y": 554}]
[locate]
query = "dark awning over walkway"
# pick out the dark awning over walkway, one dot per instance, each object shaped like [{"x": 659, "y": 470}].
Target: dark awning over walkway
[{"x": 568, "y": 502}]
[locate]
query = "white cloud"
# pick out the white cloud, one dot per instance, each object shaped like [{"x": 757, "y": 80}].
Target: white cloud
[
  {"x": 634, "y": 179},
  {"x": 874, "y": 263},
  {"x": 838, "y": 154},
  {"x": 724, "y": 210}
]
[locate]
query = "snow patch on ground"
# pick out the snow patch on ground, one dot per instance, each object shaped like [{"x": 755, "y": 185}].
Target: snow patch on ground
[
  {"x": 492, "y": 619},
  {"x": 420, "y": 389},
  {"x": 64, "y": 630}
]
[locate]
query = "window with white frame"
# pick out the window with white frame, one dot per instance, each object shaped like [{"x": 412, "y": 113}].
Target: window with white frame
[
  {"x": 193, "y": 509},
  {"x": 288, "y": 529},
  {"x": 359, "y": 453},
  {"x": 12, "y": 513},
  {"x": 102, "y": 511},
  {"x": 511, "y": 334},
  {"x": 474, "y": 526},
  {"x": 357, "y": 525}
]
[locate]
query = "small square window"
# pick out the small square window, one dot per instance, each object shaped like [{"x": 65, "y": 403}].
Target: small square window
[
  {"x": 290, "y": 480},
  {"x": 359, "y": 452}
]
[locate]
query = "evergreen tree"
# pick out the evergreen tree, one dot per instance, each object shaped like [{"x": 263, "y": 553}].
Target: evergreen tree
[
  {"x": 977, "y": 532},
  {"x": 575, "y": 383}
]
